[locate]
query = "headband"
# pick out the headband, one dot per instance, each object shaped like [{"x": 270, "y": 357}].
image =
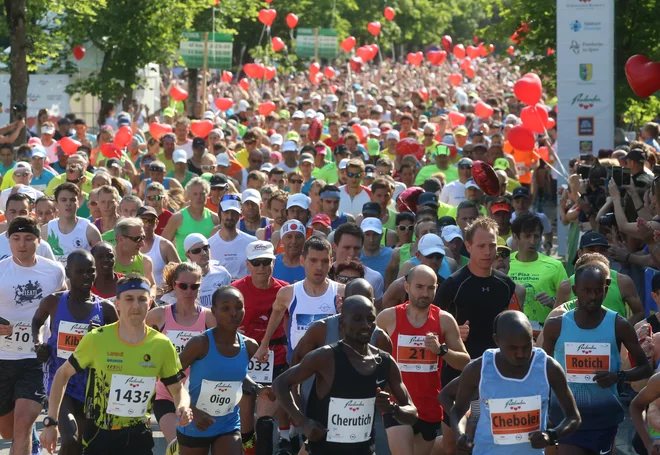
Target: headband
[
  {"x": 133, "y": 285},
  {"x": 23, "y": 228},
  {"x": 330, "y": 194}
]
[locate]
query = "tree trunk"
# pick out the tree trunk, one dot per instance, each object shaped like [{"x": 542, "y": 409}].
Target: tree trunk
[
  {"x": 18, "y": 81},
  {"x": 193, "y": 96}
]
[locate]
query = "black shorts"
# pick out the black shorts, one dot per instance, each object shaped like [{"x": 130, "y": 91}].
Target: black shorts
[
  {"x": 20, "y": 379},
  {"x": 135, "y": 440},
  {"x": 429, "y": 430},
  {"x": 204, "y": 442},
  {"x": 162, "y": 407},
  {"x": 279, "y": 369},
  {"x": 600, "y": 441}
]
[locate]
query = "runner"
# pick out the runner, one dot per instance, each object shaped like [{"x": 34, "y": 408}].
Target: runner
[
  {"x": 431, "y": 248},
  {"x": 423, "y": 337},
  {"x": 288, "y": 266},
  {"x": 19, "y": 204},
  {"x": 160, "y": 250},
  {"x": 297, "y": 208},
  {"x": 251, "y": 209},
  {"x": 121, "y": 382},
  {"x": 330, "y": 196},
  {"x": 503, "y": 264},
  {"x": 179, "y": 321},
  {"x": 218, "y": 361},
  {"x": 24, "y": 280},
  {"x": 105, "y": 285},
  {"x": 329, "y": 426},
  {"x": 403, "y": 253},
  {"x": 71, "y": 314},
  {"x": 644, "y": 415},
  {"x": 585, "y": 341},
  {"x": 513, "y": 383},
  {"x": 276, "y": 207},
  {"x": 129, "y": 235}
]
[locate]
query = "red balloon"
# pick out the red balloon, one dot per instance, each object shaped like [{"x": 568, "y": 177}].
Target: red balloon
[
  {"x": 374, "y": 28},
  {"x": 109, "y": 150},
  {"x": 459, "y": 51},
  {"x": 270, "y": 73},
  {"x": 483, "y": 52},
  {"x": 389, "y": 13},
  {"x": 643, "y": 75},
  {"x": 551, "y": 51},
  {"x": 446, "y": 43},
  {"x": 528, "y": 89},
  {"x": 227, "y": 76},
  {"x": 223, "y": 104},
  {"x": 314, "y": 68},
  {"x": 415, "y": 58},
  {"x": 364, "y": 53},
  {"x": 79, "y": 52},
  {"x": 316, "y": 78},
  {"x": 511, "y": 50},
  {"x": 277, "y": 44},
  {"x": 157, "y": 130},
  {"x": 178, "y": 93},
  {"x": 409, "y": 146},
  {"x": 70, "y": 146},
  {"x": 534, "y": 118},
  {"x": 456, "y": 118},
  {"x": 201, "y": 128},
  {"x": 356, "y": 64},
  {"x": 348, "y": 44},
  {"x": 465, "y": 64},
  {"x": 455, "y": 79},
  {"x": 123, "y": 137},
  {"x": 267, "y": 16},
  {"x": 491, "y": 48},
  {"x": 329, "y": 72},
  {"x": 244, "y": 83},
  {"x": 470, "y": 72},
  {"x": 266, "y": 108},
  {"x": 550, "y": 124},
  {"x": 374, "y": 51},
  {"x": 315, "y": 130},
  {"x": 291, "y": 20},
  {"x": 424, "y": 93},
  {"x": 472, "y": 52},
  {"x": 436, "y": 57},
  {"x": 521, "y": 139},
  {"x": 483, "y": 110},
  {"x": 485, "y": 177},
  {"x": 357, "y": 129},
  {"x": 254, "y": 70}
]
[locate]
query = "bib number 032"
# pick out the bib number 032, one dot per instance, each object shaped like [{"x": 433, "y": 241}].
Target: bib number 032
[{"x": 262, "y": 372}]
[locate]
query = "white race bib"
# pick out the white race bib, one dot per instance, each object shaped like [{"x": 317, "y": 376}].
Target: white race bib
[
  {"x": 350, "y": 420},
  {"x": 412, "y": 357},
  {"x": 180, "y": 338},
  {"x": 69, "y": 335},
  {"x": 129, "y": 395},
  {"x": 262, "y": 372},
  {"x": 584, "y": 359},
  {"x": 219, "y": 398},
  {"x": 513, "y": 419},
  {"x": 20, "y": 340}
]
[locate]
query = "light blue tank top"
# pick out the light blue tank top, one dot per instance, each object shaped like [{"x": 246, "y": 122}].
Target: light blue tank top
[
  {"x": 511, "y": 408},
  {"x": 444, "y": 271},
  {"x": 288, "y": 274},
  {"x": 217, "y": 368},
  {"x": 580, "y": 352},
  {"x": 378, "y": 263}
]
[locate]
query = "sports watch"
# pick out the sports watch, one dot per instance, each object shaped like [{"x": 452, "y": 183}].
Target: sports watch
[
  {"x": 49, "y": 422},
  {"x": 443, "y": 349}
]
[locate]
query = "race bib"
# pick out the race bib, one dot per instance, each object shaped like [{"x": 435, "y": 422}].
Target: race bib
[
  {"x": 69, "y": 335},
  {"x": 513, "y": 419},
  {"x": 262, "y": 372},
  {"x": 584, "y": 359},
  {"x": 179, "y": 338},
  {"x": 412, "y": 357},
  {"x": 129, "y": 395},
  {"x": 350, "y": 420},
  {"x": 219, "y": 398},
  {"x": 20, "y": 340}
]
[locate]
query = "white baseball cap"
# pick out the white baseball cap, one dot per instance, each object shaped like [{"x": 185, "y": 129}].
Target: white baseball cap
[
  {"x": 22, "y": 165},
  {"x": 243, "y": 106},
  {"x": 48, "y": 129},
  {"x": 179, "y": 156},
  {"x": 260, "y": 250},
  {"x": 266, "y": 167},
  {"x": 289, "y": 146},
  {"x": 377, "y": 108},
  {"x": 352, "y": 109},
  {"x": 222, "y": 159},
  {"x": 310, "y": 113},
  {"x": 374, "y": 132},
  {"x": 429, "y": 244},
  {"x": 39, "y": 151},
  {"x": 251, "y": 195},
  {"x": 298, "y": 200},
  {"x": 298, "y": 114},
  {"x": 471, "y": 184},
  {"x": 393, "y": 134},
  {"x": 231, "y": 204},
  {"x": 343, "y": 163},
  {"x": 292, "y": 226},
  {"x": 208, "y": 115},
  {"x": 276, "y": 139},
  {"x": 372, "y": 224},
  {"x": 192, "y": 240},
  {"x": 451, "y": 232}
]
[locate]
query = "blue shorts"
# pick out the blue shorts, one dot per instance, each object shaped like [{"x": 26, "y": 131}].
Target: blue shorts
[{"x": 600, "y": 441}]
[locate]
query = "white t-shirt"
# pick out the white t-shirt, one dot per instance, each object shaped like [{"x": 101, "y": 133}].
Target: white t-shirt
[
  {"x": 231, "y": 255},
  {"x": 187, "y": 147},
  {"x": 217, "y": 276},
  {"x": 352, "y": 205},
  {"x": 453, "y": 193},
  {"x": 287, "y": 169},
  {"x": 43, "y": 249},
  {"x": 21, "y": 291}
]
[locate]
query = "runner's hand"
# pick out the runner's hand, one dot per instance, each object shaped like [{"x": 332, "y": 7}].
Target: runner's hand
[
  {"x": 314, "y": 431},
  {"x": 268, "y": 392},
  {"x": 643, "y": 330},
  {"x": 383, "y": 402},
  {"x": 545, "y": 300},
  {"x": 48, "y": 438},
  {"x": 539, "y": 439},
  {"x": 42, "y": 353},
  {"x": 606, "y": 379},
  {"x": 262, "y": 353},
  {"x": 464, "y": 330},
  {"x": 431, "y": 342},
  {"x": 464, "y": 445},
  {"x": 6, "y": 329},
  {"x": 655, "y": 448},
  {"x": 184, "y": 415},
  {"x": 201, "y": 419}
]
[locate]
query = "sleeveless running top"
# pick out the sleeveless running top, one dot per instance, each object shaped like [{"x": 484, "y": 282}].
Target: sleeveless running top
[
  {"x": 66, "y": 334},
  {"x": 190, "y": 226},
  {"x": 444, "y": 271},
  {"x": 136, "y": 267},
  {"x": 111, "y": 297},
  {"x": 216, "y": 387},
  {"x": 179, "y": 336},
  {"x": 341, "y": 219},
  {"x": 348, "y": 410},
  {"x": 63, "y": 244},
  {"x": 157, "y": 260},
  {"x": 166, "y": 183},
  {"x": 268, "y": 232},
  {"x": 511, "y": 408},
  {"x": 420, "y": 368},
  {"x": 241, "y": 225},
  {"x": 404, "y": 254},
  {"x": 581, "y": 353},
  {"x": 285, "y": 273},
  {"x": 613, "y": 300}
]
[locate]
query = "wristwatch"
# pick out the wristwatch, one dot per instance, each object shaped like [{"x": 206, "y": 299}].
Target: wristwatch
[
  {"x": 49, "y": 422},
  {"x": 552, "y": 436},
  {"x": 443, "y": 349},
  {"x": 623, "y": 376}
]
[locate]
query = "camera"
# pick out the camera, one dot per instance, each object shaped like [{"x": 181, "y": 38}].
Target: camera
[
  {"x": 583, "y": 171},
  {"x": 19, "y": 111},
  {"x": 620, "y": 175},
  {"x": 608, "y": 220}
]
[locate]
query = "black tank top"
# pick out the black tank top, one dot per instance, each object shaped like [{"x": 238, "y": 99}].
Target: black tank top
[{"x": 348, "y": 383}]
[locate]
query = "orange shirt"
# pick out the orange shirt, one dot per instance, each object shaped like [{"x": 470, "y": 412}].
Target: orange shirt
[{"x": 524, "y": 162}]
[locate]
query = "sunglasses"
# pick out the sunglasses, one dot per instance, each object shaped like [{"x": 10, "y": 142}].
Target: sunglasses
[
  {"x": 200, "y": 249},
  {"x": 154, "y": 198},
  {"x": 385, "y": 173},
  {"x": 185, "y": 286},
  {"x": 296, "y": 182},
  {"x": 208, "y": 167},
  {"x": 148, "y": 221},
  {"x": 503, "y": 253},
  {"x": 344, "y": 279},
  {"x": 403, "y": 228},
  {"x": 20, "y": 174},
  {"x": 437, "y": 256},
  {"x": 354, "y": 174},
  {"x": 250, "y": 142},
  {"x": 136, "y": 239},
  {"x": 265, "y": 262},
  {"x": 156, "y": 169},
  {"x": 224, "y": 187}
]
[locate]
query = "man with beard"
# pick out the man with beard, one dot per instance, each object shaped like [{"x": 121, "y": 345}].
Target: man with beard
[{"x": 276, "y": 207}]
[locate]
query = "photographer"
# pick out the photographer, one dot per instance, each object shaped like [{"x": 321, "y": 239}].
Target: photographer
[
  {"x": 593, "y": 199},
  {"x": 641, "y": 177}
]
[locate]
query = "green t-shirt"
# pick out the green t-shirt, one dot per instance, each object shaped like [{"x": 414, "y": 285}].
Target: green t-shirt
[
  {"x": 189, "y": 176},
  {"x": 169, "y": 164},
  {"x": 451, "y": 173},
  {"x": 122, "y": 377},
  {"x": 58, "y": 180},
  {"x": 109, "y": 236},
  {"x": 83, "y": 210},
  {"x": 543, "y": 275},
  {"x": 329, "y": 173}
]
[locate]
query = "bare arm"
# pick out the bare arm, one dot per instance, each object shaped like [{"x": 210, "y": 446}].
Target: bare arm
[
  {"x": 156, "y": 319},
  {"x": 638, "y": 406},
  {"x": 46, "y": 308},
  {"x": 314, "y": 338},
  {"x": 168, "y": 252},
  {"x": 172, "y": 226},
  {"x": 280, "y": 306},
  {"x": 392, "y": 268},
  {"x": 93, "y": 234},
  {"x": 148, "y": 268},
  {"x": 457, "y": 356},
  {"x": 394, "y": 295},
  {"x": 386, "y": 320},
  {"x": 631, "y": 298},
  {"x": 405, "y": 268},
  {"x": 563, "y": 293},
  {"x": 467, "y": 388},
  {"x": 406, "y": 412}
]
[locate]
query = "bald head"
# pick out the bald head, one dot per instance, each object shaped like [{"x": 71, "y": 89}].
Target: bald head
[
  {"x": 421, "y": 272},
  {"x": 512, "y": 323},
  {"x": 79, "y": 256},
  {"x": 359, "y": 286},
  {"x": 356, "y": 303}
]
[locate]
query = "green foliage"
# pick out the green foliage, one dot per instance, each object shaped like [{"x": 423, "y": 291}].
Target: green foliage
[{"x": 640, "y": 111}]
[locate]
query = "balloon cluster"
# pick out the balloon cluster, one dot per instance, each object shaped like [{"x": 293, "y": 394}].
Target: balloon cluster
[{"x": 528, "y": 89}]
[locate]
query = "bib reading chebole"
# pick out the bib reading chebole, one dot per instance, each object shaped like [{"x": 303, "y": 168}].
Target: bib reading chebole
[
  {"x": 412, "y": 357},
  {"x": 20, "y": 339},
  {"x": 130, "y": 395},
  {"x": 69, "y": 335},
  {"x": 262, "y": 372},
  {"x": 350, "y": 420},
  {"x": 219, "y": 398},
  {"x": 180, "y": 338},
  {"x": 584, "y": 359},
  {"x": 513, "y": 419}
]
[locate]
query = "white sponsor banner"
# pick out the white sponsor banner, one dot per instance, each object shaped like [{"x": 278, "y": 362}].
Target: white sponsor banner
[
  {"x": 45, "y": 91},
  {"x": 585, "y": 76}
]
